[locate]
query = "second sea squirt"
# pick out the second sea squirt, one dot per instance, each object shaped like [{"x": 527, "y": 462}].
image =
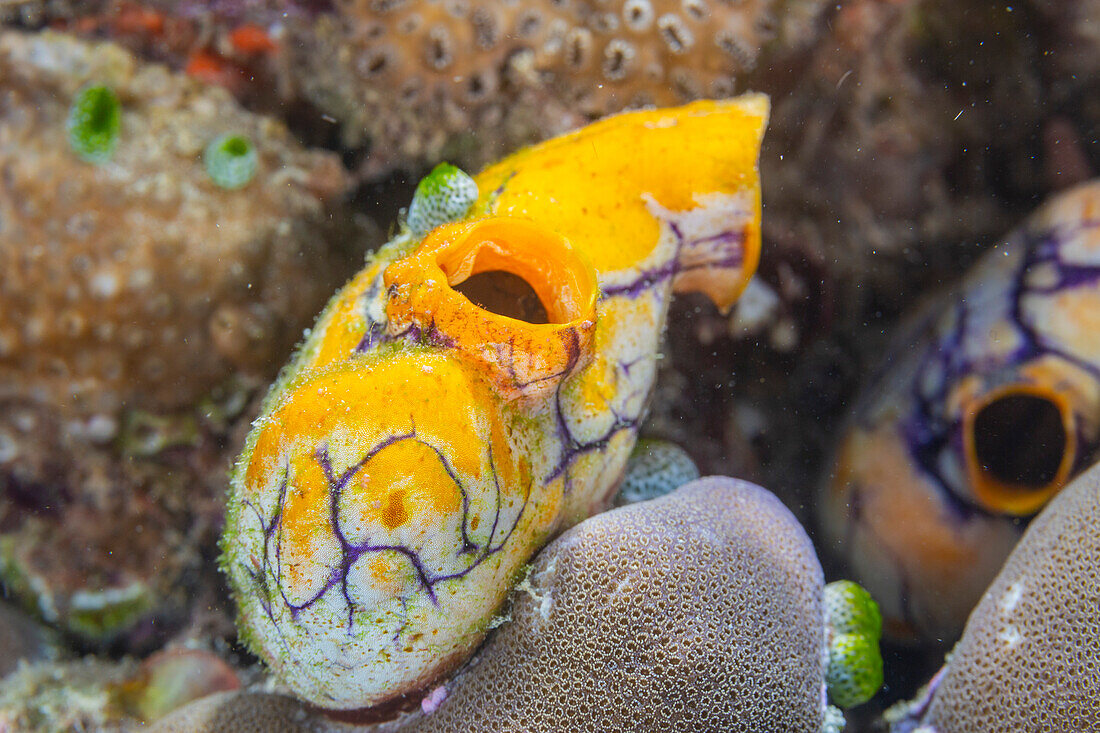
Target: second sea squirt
[
  {"x": 988, "y": 406},
  {"x": 477, "y": 388}
]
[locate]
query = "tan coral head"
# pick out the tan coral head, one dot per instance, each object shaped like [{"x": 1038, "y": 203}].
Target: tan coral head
[{"x": 508, "y": 295}]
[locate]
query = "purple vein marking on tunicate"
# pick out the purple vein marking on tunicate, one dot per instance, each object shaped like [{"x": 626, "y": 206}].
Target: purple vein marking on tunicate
[
  {"x": 500, "y": 189},
  {"x": 260, "y": 575},
  {"x": 489, "y": 550},
  {"x": 373, "y": 330},
  {"x": 573, "y": 448},
  {"x": 372, "y": 336},
  {"x": 1047, "y": 249},
  {"x": 351, "y": 552},
  {"x": 417, "y": 334},
  {"x": 1046, "y": 245},
  {"x": 672, "y": 267},
  {"x": 626, "y": 366},
  {"x": 505, "y": 354},
  {"x": 404, "y": 620},
  {"x": 468, "y": 546},
  {"x": 339, "y": 574},
  {"x": 926, "y": 432}
]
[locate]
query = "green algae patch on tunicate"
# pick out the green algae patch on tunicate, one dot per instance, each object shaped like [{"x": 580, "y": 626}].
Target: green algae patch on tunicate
[
  {"x": 444, "y": 195},
  {"x": 231, "y": 161},
  {"x": 95, "y": 119}
]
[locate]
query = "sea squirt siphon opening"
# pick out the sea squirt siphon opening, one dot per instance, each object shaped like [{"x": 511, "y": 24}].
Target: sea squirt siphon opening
[
  {"x": 1021, "y": 447},
  {"x": 506, "y": 293}
]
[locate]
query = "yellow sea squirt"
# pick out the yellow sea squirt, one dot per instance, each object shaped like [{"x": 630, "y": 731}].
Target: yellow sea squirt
[{"x": 475, "y": 390}]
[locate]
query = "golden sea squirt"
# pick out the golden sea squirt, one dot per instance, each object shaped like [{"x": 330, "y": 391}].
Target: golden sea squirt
[
  {"x": 989, "y": 406},
  {"x": 475, "y": 390}
]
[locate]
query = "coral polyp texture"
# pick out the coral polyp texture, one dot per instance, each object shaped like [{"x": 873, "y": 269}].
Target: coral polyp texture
[
  {"x": 411, "y": 83},
  {"x": 473, "y": 80},
  {"x": 989, "y": 405},
  {"x": 140, "y": 308},
  {"x": 1030, "y": 656},
  {"x": 700, "y": 610},
  {"x": 474, "y": 391}
]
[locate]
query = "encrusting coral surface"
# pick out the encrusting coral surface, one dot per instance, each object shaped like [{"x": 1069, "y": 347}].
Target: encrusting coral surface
[
  {"x": 1029, "y": 658},
  {"x": 142, "y": 306}
]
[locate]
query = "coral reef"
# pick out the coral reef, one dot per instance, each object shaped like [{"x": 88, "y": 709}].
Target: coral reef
[
  {"x": 422, "y": 447},
  {"x": 1030, "y": 656},
  {"x": 906, "y": 137},
  {"x": 142, "y": 306},
  {"x": 986, "y": 406},
  {"x": 700, "y": 610},
  {"x": 97, "y": 694},
  {"x": 416, "y": 82},
  {"x": 472, "y": 81},
  {"x": 66, "y": 696}
]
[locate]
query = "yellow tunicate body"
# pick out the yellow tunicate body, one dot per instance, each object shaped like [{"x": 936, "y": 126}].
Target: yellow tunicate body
[{"x": 422, "y": 446}]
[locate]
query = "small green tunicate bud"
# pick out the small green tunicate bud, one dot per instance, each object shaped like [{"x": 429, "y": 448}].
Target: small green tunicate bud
[
  {"x": 655, "y": 468},
  {"x": 442, "y": 196},
  {"x": 95, "y": 119},
  {"x": 854, "y": 672},
  {"x": 849, "y": 609},
  {"x": 230, "y": 161}
]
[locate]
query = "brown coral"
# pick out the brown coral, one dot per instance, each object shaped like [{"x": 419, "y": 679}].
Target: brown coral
[
  {"x": 475, "y": 79},
  {"x": 700, "y": 610},
  {"x": 140, "y": 305}
]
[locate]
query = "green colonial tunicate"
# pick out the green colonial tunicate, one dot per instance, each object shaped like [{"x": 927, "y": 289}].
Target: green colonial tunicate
[
  {"x": 95, "y": 119},
  {"x": 442, "y": 196},
  {"x": 853, "y": 627},
  {"x": 854, "y": 671},
  {"x": 849, "y": 609},
  {"x": 656, "y": 467},
  {"x": 231, "y": 161}
]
